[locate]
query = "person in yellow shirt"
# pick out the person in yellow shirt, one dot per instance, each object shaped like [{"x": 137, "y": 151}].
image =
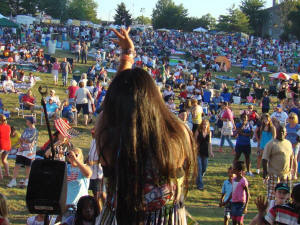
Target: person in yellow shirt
[
  {"x": 196, "y": 114},
  {"x": 15, "y": 140}
]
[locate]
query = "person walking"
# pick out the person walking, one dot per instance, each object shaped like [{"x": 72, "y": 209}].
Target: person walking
[
  {"x": 243, "y": 144},
  {"x": 264, "y": 133},
  {"x": 203, "y": 139},
  {"x": 55, "y": 69},
  {"x": 5, "y": 144},
  {"x": 65, "y": 68},
  {"x": 196, "y": 114},
  {"x": 277, "y": 162}
]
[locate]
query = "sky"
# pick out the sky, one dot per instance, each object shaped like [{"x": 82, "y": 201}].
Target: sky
[{"x": 197, "y": 8}]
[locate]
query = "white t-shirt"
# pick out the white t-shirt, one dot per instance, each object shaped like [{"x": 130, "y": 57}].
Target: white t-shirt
[
  {"x": 167, "y": 93},
  {"x": 8, "y": 85},
  {"x": 82, "y": 96},
  {"x": 282, "y": 117},
  {"x": 190, "y": 90},
  {"x": 93, "y": 159}
]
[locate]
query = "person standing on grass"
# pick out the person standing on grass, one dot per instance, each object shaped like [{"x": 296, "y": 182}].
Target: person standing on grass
[
  {"x": 265, "y": 103},
  {"x": 82, "y": 98},
  {"x": 291, "y": 130},
  {"x": 77, "y": 51},
  {"x": 226, "y": 196},
  {"x": 26, "y": 152},
  {"x": 197, "y": 112},
  {"x": 240, "y": 194},
  {"x": 264, "y": 133},
  {"x": 65, "y": 68},
  {"x": 5, "y": 144},
  {"x": 277, "y": 162},
  {"x": 55, "y": 69},
  {"x": 203, "y": 139},
  {"x": 226, "y": 133},
  {"x": 84, "y": 52},
  {"x": 243, "y": 144}
]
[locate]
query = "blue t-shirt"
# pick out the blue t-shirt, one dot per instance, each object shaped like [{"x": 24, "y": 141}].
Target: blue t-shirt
[
  {"x": 241, "y": 139},
  {"x": 67, "y": 109},
  {"x": 226, "y": 189},
  {"x": 292, "y": 133},
  {"x": 78, "y": 185},
  {"x": 51, "y": 108}
]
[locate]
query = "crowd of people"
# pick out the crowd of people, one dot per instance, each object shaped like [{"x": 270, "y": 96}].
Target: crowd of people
[{"x": 148, "y": 145}]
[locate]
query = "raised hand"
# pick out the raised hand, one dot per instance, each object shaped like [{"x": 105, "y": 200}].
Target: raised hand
[
  {"x": 124, "y": 41},
  {"x": 261, "y": 204}
]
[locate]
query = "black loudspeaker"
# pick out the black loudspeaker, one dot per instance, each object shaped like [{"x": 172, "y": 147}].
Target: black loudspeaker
[{"x": 47, "y": 187}]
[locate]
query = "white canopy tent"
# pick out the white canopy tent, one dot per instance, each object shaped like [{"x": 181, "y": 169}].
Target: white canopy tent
[{"x": 200, "y": 29}]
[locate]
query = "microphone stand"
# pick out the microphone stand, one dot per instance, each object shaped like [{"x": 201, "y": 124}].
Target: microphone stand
[{"x": 43, "y": 91}]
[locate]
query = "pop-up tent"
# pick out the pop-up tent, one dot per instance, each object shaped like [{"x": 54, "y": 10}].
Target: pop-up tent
[
  {"x": 200, "y": 29},
  {"x": 8, "y": 23},
  {"x": 223, "y": 60}
]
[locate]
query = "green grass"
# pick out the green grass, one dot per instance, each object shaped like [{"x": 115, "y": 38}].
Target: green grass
[{"x": 202, "y": 205}]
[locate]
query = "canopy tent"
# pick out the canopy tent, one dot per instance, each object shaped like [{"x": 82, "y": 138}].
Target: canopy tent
[
  {"x": 280, "y": 75},
  {"x": 8, "y": 23},
  {"x": 200, "y": 29},
  {"x": 163, "y": 30},
  {"x": 225, "y": 61},
  {"x": 1, "y": 16}
]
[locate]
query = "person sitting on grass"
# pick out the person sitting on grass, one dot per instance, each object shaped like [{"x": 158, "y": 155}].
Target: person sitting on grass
[
  {"x": 3, "y": 210},
  {"x": 26, "y": 152},
  {"x": 28, "y": 101},
  {"x": 287, "y": 214},
  {"x": 68, "y": 110},
  {"x": 8, "y": 85},
  {"x": 282, "y": 194},
  {"x": 226, "y": 196}
]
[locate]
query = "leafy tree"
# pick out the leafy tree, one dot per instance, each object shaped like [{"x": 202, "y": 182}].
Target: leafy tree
[
  {"x": 5, "y": 8},
  {"x": 83, "y": 10},
  {"x": 122, "y": 16},
  {"x": 143, "y": 20},
  {"x": 235, "y": 21},
  {"x": 206, "y": 21},
  {"x": 30, "y": 6},
  {"x": 254, "y": 10},
  {"x": 209, "y": 21},
  {"x": 294, "y": 22},
  {"x": 55, "y": 8},
  {"x": 168, "y": 15}
]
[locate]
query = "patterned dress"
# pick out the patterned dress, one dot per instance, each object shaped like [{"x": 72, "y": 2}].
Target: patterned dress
[{"x": 161, "y": 206}]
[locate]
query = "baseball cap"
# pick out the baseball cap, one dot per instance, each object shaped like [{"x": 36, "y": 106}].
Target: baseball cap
[
  {"x": 31, "y": 119},
  {"x": 279, "y": 106},
  {"x": 282, "y": 186}
]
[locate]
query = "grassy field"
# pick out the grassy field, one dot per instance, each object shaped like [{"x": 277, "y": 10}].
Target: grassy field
[{"x": 203, "y": 205}]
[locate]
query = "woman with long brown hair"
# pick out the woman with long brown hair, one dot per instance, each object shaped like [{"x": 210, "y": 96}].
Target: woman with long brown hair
[
  {"x": 264, "y": 133},
  {"x": 203, "y": 139},
  {"x": 147, "y": 154}
]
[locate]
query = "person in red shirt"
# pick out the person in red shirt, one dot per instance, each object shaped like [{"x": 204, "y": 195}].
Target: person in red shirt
[
  {"x": 5, "y": 144},
  {"x": 183, "y": 94},
  {"x": 72, "y": 90},
  {"x": 28, "y": 100}
]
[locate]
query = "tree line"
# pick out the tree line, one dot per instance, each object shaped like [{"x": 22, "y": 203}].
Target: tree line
[{"x": 59, "y": 9}]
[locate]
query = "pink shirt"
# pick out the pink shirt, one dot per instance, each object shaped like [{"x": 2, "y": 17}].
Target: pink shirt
[
  {"x": 55, "y": 66},
  {"x": 238, "y": 190},
  {"x": 227, "y": 114}
]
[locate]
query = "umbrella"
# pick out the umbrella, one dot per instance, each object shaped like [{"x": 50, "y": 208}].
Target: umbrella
[
  {"x": 280, "y": 75},
  {"x": 163, "y": 30},
  {"x": 200, "y": 29},
  {"x": 295, "y": 76}
]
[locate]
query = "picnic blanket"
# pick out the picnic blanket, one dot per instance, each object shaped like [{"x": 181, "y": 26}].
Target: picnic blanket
[{"x": 226, "y": 78}]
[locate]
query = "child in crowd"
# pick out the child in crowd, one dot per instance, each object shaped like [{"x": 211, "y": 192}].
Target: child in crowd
[
  {"x": 226, "y": 133},
  {"x": 15, "y": 140},
  {"x": 226, "y": 196},
  {"x": 26, "y": 152},
  {"x": 3, "y": 211},
  {"x": 78, "y": 175},
  {"x": 282, "y": 194},
  {"x": 87, "y": 212},
  {"x": 240, "y": 194}
]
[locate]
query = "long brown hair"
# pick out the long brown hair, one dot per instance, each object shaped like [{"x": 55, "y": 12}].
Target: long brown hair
[
  {"x": 263, "y": 125},
  {"x": 142, "y": 134},
  {"x": 201, "y": 126}
]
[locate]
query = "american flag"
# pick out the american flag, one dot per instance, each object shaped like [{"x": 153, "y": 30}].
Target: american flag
[{"x": 73, "y": 176}]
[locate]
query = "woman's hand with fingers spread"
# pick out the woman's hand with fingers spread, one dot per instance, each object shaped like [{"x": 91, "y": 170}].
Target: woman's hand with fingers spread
[{"x": 124, "y": 41}]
